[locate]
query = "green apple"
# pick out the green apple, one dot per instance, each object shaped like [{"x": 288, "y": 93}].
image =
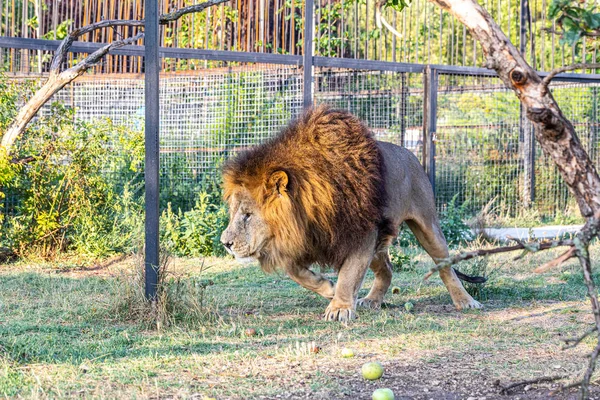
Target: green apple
[
  {"x": 408, "y": 306},
  {"x": 372, "y": 371},
  {"x": 347, "y": 353},
  {"x": 383, "y": 394}
]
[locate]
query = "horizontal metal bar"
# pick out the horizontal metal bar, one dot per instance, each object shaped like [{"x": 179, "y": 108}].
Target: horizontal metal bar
[
  {"x": 456, "y": 70},
  {"x": 571, "y": 77},
  {"x": 165, "y": 52},
  {"x": 266, "y": 58},
  {"x": 353, "y": 63}
]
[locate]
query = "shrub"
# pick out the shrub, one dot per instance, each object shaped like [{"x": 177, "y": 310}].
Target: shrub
[
  {"x": 401, "y": 261},
  {"x": 452, "y": 223},
  {"x": 196, "y": 232},
  {"x": 180, "y": 298}
]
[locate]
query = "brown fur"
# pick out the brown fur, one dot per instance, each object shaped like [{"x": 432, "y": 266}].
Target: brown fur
[{"x": 330, "y": 195}]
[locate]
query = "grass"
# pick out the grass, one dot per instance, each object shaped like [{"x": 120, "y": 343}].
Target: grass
[{"x": 61, "y": 335}]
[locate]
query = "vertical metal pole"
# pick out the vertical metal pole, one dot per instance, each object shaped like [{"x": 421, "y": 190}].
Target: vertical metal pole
[
  {"x": 425, "y": 116},
  {"x": 432, "y": 91},
  {"x": 594, "y": 139},
  {"x": 432, "y": 123},
  {"x": 403, "y": 109},
  {"x": 526, "y": 133},
  {"x": 152, "y": 69},
  {"x": 308, "y": 52}
]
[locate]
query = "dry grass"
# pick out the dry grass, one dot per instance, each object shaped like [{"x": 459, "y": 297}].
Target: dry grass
[{"x": 88, "y": 333}]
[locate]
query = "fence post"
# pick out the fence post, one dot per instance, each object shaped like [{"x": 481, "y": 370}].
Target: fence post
[
  {"x": 430, "y": 114},
  {"x": 403, "y": 109},
  {"x": 525, "y": 127},
  {"x": 151, "y": 167},
  {"x": 308, "y": 52}
]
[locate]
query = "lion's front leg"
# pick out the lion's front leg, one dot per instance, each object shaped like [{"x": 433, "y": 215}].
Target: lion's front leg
[
  {"x": 312, "y": 281},
  {"x": 350, "y": 279}
]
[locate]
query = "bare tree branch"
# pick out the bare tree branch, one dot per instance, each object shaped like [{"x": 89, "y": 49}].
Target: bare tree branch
[
  {"x": 63, "y": 49},
  {"x": 557, "y": 262},
  {"x": 552, "y": 74},
  {"x": 172, "y": 16},
  {"x": 574, "y": 342},
  {"x": 530, "y": 247},
  {"x": 55, "y": 82},
  {"x": 58, "y": 80},
  {"x": 505, "y": 390},
  {"x": 584, "y": 259},
  {"x": 381, "y": 21}
]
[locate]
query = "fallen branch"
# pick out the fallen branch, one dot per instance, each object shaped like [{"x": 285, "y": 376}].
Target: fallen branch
[
  {"x": 543, "y": 379},
  {"x": 530, "y": 247},
  {"x": 557, "y": 262},
  {"x": 574, "y": 342}
]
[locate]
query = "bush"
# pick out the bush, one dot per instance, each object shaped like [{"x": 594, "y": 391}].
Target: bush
[
  {"x": 401, "y": 261},
  {"x": 196, "y": 232},
  {"x": 452, "y": 223},
  {"x": 180, "y": 298},
  {"x": 62, "y": 199}
]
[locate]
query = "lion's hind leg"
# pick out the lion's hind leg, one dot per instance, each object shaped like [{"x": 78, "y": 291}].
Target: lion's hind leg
[
  {"x": 382, "y": 268},
  {"x": 429, "y": 234}
]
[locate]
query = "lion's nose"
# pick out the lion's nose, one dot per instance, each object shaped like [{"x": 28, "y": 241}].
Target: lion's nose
[{"x": 227, "y": 244}]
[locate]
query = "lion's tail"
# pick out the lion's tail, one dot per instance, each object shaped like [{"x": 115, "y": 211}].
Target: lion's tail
[{"x": 470, "y": 279}]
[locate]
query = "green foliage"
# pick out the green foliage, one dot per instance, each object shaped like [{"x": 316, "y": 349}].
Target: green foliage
[
  {"x": 64, "y": 200},
  {"x": 195, "y": 232},
  {"x": 398, "y": 5},
  {"x": 401, "y": 261},
  {"x": 61, "y": 31},
  {"x": 574, "y": 19},
  {"x": 452, "y": 222}
]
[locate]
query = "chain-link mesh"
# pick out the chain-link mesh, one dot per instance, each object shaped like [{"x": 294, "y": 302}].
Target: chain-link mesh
[
  {"x": 390, "y": 103},
  {"x": 205, "y": 116},
  {"x": 479, "y": 152},
  {"x": 483, "y": 155},
  {"x": 484, "y": 150},
  {"x": 579, "y": 103}
]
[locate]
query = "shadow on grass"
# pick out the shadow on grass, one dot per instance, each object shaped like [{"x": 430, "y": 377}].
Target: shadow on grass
[{"x": 49, "y": 318}]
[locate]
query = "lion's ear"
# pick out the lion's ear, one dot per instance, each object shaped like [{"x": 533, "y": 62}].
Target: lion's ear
[{"x": 277, "y": 182}]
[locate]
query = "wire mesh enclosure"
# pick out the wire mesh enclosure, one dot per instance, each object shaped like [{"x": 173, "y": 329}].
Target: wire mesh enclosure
[
  {"x": 479, "y": 152},
  {"x": 390, "y": 103},
  {"x": 205, "y": 118},
  {"x": 353, "y": 29},
  {"x": 484, "y": 156}
]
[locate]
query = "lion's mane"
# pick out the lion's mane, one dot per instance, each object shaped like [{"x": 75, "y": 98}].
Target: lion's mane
[{"x": 335, "y": 191}]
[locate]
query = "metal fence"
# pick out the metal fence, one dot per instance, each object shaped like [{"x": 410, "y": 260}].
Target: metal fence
[
  {"x": 463, "y": 124},
  {"x": 478, "y": 153},
  {"x": 352, "y": 29}
]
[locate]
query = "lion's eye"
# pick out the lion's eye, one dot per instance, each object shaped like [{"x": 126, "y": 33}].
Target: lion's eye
[{"x": 247, "y": 217}]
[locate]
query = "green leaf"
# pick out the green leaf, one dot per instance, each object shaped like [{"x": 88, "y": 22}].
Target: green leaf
[{"x": 398, "y": 5}]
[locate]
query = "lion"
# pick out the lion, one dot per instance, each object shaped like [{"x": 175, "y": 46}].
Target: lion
[{"x": 324, "y": 191}]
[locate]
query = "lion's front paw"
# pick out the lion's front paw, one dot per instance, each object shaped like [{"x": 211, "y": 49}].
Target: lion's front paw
[
  {"x": 369, "y": 303},
  {"x": 467, "y": 303},
  {"x": 339, "y": 313}
]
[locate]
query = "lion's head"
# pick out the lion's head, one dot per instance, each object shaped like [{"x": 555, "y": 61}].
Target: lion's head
[
  {"x": 248, "y": 233},
  {"x": 308, "y": 195}
]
